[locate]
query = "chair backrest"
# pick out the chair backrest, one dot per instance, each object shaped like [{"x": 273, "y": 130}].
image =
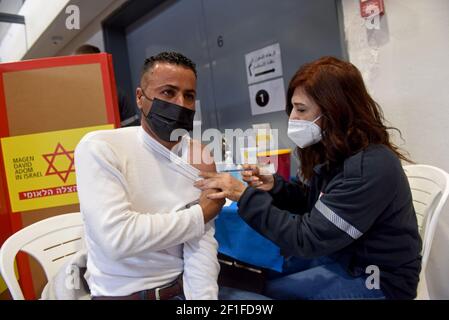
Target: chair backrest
[
  {"x": 50, "y": 241},
  {"x": 436, "y": 273},
  {"x": 430, "y": 190}
]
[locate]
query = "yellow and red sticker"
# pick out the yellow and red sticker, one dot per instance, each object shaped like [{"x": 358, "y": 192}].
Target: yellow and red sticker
[{"x": 40, "y": 168}]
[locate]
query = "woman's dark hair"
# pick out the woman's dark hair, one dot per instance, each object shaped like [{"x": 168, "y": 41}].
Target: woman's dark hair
[{"x": 351, "y": 120}]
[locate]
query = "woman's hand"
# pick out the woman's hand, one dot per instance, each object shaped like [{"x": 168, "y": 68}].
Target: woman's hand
[
  {"x": 252, "y": 176},
  {"x": 230, "y": 187}
]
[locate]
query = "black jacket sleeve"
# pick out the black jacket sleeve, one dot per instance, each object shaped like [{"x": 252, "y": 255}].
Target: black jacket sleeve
[
  {"x": 289, "y": 196},
  {"x": 346, "y": 210}
]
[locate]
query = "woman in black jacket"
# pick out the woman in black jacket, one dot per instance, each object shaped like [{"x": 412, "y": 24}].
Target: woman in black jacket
[{"x": 349, "y": 226}]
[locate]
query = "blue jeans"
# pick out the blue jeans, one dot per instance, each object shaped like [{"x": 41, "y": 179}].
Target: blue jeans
[
  {"x": 317, "y": 279},
  {"x": 226, "y": 293}
]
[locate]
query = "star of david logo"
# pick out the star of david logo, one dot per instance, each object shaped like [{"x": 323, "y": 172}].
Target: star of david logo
[{"x": 57, "y": 154}]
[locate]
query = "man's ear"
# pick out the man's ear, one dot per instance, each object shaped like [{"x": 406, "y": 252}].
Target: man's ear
[{"x": 139, "y": 97}]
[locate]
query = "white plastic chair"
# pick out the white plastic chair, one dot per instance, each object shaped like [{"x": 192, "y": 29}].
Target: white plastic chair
[
  {"x": 50, "y": 241},
  {"x": 430, "y": 190}
]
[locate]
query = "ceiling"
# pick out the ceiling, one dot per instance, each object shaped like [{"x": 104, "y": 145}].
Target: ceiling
[
  {"x": 8, "y": 6},
  {"x": 57, "y": 36}
]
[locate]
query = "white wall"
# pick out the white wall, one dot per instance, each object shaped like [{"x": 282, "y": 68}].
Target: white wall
[
  {"x": 92, "y": 34},
  {"x": 8, "y": 6},
  {"x": 46, "y": 21},
  {"x": 39, "y": 14},
  {"x": 406, "y": 69}
]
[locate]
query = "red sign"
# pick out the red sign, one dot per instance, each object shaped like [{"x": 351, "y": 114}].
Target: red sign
[{"x": 371, "y": 7}]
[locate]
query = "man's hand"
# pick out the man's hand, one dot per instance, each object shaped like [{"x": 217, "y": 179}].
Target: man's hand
[
  {"x": 211, "y": 207},
  {"x": 228, "y": 186},
  {"x": 200, "y": 158}
]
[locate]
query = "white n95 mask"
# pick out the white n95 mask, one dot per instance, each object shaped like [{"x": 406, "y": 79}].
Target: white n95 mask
[{"x": 304, "y": 133}]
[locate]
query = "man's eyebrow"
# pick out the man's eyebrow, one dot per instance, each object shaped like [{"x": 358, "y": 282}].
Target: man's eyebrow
[
  {"x": 170, "y": 86},
  {"x": 177, "y": 88}
]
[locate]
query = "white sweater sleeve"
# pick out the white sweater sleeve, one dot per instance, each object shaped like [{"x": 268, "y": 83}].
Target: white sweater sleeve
[
  {"x": 104, "y": 199},
  {"x": 201, "y": 266}
]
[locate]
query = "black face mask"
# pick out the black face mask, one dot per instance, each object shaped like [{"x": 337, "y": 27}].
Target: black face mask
[{"x": 165, "y": 117}]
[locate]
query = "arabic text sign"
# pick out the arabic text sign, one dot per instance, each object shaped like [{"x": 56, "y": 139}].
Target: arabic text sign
[{"x": 264, "y": 64}]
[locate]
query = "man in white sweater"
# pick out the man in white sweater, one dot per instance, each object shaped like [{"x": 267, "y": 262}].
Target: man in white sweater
[{"x": 143, "y": 242}]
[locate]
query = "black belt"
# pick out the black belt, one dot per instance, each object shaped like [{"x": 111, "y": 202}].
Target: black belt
[{"x": 162, "y": 293}]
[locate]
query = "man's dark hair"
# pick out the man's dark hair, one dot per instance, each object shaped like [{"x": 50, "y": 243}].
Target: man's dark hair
[
  {"x": 86, "y": 49},
  {"x": 168, "y": 57}
]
